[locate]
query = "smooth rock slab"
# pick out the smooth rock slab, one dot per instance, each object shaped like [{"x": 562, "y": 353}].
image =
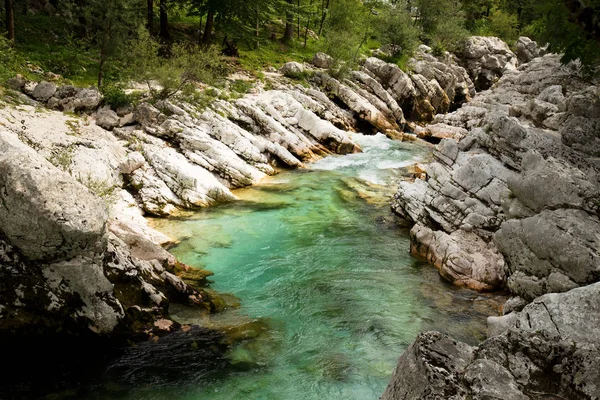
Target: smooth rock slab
[{"x": 44, "y": 212}]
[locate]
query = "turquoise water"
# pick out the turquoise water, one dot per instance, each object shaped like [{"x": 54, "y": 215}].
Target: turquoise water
[{"x": 316, "y": 255}]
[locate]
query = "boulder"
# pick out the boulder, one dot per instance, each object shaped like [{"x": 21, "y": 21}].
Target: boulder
[
  {"x": 45, "y": 213},
  {"x": 527, "y": 49},
  {"x": 43, "y": 91},
  {"x": 486, "y": 59},
  {"x": 322, "y": 60},
  {"x": 17, "y": 83},
  {"x": 292, "y": 69},
  {"x": 146, "y": 114},
  {"x": 563, "y": 240},
  {"x": 462, "y": 258},
  {"x": 431, "y": 368},
  {"x": 88, "y": 99},
  {"x": 515, "y": 365},
  {"x": 107, "y": 119},
  {"x": 573, "y": 315},
  {"x": 132, "y": 162}
]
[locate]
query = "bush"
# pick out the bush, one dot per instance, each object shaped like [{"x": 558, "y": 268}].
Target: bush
[
  {"x": 182, "y": 66},
  {"x": 442, "y": 23},
  {"x": 501, "y": 24},
  {"x": 10, "y": 62},
  {"x": 396, "y": 29},
  {"x": 115, "y": 96}
]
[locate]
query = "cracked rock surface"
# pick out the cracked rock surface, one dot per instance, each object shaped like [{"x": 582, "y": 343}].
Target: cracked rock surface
[{"x": 513, "y": 191}]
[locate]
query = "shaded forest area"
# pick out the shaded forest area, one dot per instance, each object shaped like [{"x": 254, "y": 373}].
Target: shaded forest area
[{"x": 175, "y": 42}]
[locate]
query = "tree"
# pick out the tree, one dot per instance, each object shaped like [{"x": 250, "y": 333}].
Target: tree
[
  {"x": 289, "y": 23},
  {"x": 150, "y": 15},
  {"x": 108, "y": 25},
  {"x": 184, "y": 65},
  {"x": 10, "y": 20},
  {"x": 164, "y": 20},
  {"x": 586, "y": 14},
  {"x": 396, "y": 29},
  {"x": 442, "y": 23},
  {"x": 567, "y": 32}
]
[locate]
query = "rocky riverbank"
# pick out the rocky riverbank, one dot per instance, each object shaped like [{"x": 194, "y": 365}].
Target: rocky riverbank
[
  {"x": 511, "y": 201},
  {"x": 78, "y": 178}
]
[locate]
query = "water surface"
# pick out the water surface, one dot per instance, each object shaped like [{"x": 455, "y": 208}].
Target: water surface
[{"x": 317, "y": 255}]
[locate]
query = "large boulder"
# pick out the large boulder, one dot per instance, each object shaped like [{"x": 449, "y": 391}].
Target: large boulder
[
  {"x": 431, "y": 368},
  {"x": 44, "y": 212},
  {"x": 462, "y": 258},
  {"x": 527, "y": 49},
  {"x": 107, "y": 119},
  {"x": 552, "y": 251},
  {"x": 44, "y": 90},
  {"x": 322, "y": 60},
  {"x": 517, "y": 365},
  {"x": 486, "y": 59},
  {"x": 292, "y": 69},
  {"x": 574, "y": 315}
]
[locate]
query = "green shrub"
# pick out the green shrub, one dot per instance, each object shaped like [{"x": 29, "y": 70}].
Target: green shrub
[
  {"x": 501, "y": 24},
  {"x": 10, "y": 62},
  {"x": 182, "y": 66},
  {"x": 396, "y": 29},
  {"x": 115, "y": 96}
]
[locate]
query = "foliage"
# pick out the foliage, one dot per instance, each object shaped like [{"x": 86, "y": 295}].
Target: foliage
[
  {"x": 555, "y": 27},
  {"x": 396, "y": 29},
  {"x": 115, "y": 96},
  {"x": 442, "y": 23},
  {"x": 501, "y": 24},
  {"x": 349, "y": 21},
  {"x": 10, "y": 61},
  {"x": 183, "y": 65}
]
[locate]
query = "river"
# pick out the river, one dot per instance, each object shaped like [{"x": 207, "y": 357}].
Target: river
[
  {"x": 318, "y": 256},
  {"x": 327, "y": 295}
]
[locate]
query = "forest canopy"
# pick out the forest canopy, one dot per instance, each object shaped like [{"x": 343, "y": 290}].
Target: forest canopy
[{"x": 92, "y": 41}]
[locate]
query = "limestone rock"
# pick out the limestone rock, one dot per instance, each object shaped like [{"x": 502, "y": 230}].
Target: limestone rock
[
  {"x": 431, "y": 368},
  {"x": 87, "y": 99},
  {"x": 461, "y": 257},
  {"x": 146, "y": 113},
  {"x": 515, "y": 365},
  {"x": 45, "y": 213},
  {"x": 292, "y": 69},
  {"x": 17, "y": 82},
  {"x": 574, "y": 315},
  {"x": 486, "y": 59},
  {"x": 322, "y": 60},
  {"x": 527, "y": 49},
  {"x": 565, "y": 241},
  {"x": 43, "y": 91},
  {"x": 107, "y": 119}
]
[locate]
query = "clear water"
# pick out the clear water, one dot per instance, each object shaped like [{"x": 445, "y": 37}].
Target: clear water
[{"x": 316, "y": 254}]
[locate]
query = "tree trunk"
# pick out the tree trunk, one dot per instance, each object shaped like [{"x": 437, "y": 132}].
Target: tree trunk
[
  {"x": 289, "y": 24},
  {"x": 257, "y": 28},
  {"x": 298, "y": 11},
  {"x": 10, "y": 19},
  {"x": 200, "y": 29},
  {"x": 325, "y": 11},
  {"x": 150, "y": 21},
  {"x": 308, "y": 17},
  {"x": 208, "y": 28},
  {"x": 164, "y": 21}
]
